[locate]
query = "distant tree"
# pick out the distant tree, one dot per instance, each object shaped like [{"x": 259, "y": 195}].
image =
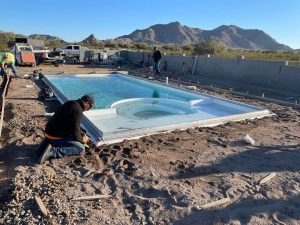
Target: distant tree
[
  {"x": 54, "y": 44},
  {"x": 172, "y": 49},
  {"x": 10, "y": 43},
  {"x": 167, "y": 47},
  {"x": 141, "y": 46},
  {"x": 124, "y": 45},
  {"x": 98, "y": 45},
  {"x": 211, "y": 46},
  {"x": 3, "y": 47},
  {"x": 187, "y": 48},
  {"x": 111, "y": 44}
]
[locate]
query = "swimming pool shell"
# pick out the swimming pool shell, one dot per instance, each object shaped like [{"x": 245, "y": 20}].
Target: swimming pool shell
[{"x": 147, "y": 108}]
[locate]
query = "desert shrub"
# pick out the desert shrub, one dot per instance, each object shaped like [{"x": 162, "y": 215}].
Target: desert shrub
[{"x": 211, "y": 46}]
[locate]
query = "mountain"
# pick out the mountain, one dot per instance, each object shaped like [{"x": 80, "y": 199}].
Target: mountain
[
  {"x": 91, "y": 40},
  {"x": 231, "y": 36},
  {"x": 47, "y": 38},
  {"x": 172, "y": 33}
]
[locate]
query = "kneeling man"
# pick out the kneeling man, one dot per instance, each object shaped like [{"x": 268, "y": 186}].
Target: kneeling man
[{"x": 63, "y": 136}]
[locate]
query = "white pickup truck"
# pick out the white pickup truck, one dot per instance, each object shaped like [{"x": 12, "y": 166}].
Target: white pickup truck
[{"x": 69, "y": 50}]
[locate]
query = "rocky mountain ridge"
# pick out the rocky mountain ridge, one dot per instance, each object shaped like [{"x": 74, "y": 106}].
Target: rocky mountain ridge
[
  {"x": 174, "y": 33},
  {"x": 231, "y": 36}
]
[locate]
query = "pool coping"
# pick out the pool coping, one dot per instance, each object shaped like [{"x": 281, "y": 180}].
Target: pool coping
[{"x": 94, "y": 132}]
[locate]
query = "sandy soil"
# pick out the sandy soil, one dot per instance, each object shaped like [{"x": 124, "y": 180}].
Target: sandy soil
[{"x": 159, "y": 179}]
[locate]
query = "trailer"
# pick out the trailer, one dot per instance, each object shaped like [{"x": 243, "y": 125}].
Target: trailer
[
  {"x": 25, "y": 48},
  {"x": 24, "y": 54}
]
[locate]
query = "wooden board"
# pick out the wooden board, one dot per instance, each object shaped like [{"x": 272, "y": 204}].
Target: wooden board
[
  {"x": 41, "y": 205},
  {"x": 267, "y": 178},
  {"x": 216, "y": 203},
  {"x": 90, "y": 198}
]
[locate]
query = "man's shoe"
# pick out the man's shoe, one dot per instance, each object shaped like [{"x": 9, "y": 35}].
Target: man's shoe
[
  {"x": 41, "y": 147},
  {"x": 46, "y": 154}
]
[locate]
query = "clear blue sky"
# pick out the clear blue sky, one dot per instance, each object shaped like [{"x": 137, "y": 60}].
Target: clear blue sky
[{"x": 74, "y": 20}]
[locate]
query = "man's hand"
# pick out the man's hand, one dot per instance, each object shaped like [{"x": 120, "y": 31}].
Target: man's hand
[{"x": 85, "y": 138}]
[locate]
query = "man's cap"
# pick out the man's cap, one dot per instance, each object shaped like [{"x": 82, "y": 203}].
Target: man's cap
[{"x": 89, "y": 99}]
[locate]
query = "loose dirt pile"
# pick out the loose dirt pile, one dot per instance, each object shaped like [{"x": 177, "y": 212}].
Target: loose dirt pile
[{"x": 159, "y": 179}]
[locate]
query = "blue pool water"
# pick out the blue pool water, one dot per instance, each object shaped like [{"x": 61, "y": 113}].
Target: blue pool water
[
  {"x": 112, "y": 88},
  {"x": 129, "y": 107}
]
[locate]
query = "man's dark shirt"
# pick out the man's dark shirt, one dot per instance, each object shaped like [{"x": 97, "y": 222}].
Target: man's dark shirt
[
  {"x": 156, "y": 56},
  {"x": 66, "y": 121}
]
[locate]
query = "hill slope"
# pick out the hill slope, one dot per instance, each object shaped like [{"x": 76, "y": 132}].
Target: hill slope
[
  {"x": 46, "y": 37},
  {"x": 90, "y": 40},
  {"x": 231, "y": 36}
]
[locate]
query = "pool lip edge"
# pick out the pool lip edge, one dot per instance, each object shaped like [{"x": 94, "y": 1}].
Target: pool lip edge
[
  {"x": 94, "y": 132},
  {"x": 137, "y": 133}
]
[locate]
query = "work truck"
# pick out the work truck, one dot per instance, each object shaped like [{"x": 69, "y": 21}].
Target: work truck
[
  {"x": 72, "y": 53},
  {"x": 69, "y": 50}
]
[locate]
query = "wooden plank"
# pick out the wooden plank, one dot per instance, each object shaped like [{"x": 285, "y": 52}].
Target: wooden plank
[
  {"x": 267, "y": 178},
  {"x": 216, "y": 203},
  {"x": 90, "y": 198},
  {"x": 3, "y": 100},
  {"x": 41, "y": 205}
]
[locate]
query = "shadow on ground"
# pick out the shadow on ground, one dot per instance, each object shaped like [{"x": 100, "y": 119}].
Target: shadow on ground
[
  {"x": 280, "y": 158},
  {"x": 280, "y": 211}
]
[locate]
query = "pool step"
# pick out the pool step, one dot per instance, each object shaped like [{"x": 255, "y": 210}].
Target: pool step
[{"x": 100, "y": 112}]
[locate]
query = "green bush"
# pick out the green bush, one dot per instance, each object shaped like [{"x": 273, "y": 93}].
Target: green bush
[{"x": 210, "y": 46}]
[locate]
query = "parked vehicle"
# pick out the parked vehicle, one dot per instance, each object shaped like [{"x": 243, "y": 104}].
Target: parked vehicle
[{"x": 69, "y": 50}]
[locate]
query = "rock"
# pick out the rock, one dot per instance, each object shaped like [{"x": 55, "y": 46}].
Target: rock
[
  {"x": 197, "y": 208},
  {"x": 137, "y": 172},
  {"x": 172, "y": 162},
  {"x": 137, "y": 154}
]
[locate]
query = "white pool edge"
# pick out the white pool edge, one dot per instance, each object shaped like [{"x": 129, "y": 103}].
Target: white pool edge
[
  {"x": 138, "y": 133},
  {"x": 94, "y": 132}
]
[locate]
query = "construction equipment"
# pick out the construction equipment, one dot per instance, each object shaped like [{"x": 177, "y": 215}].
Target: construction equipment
[{"x": 24, "y": 54}]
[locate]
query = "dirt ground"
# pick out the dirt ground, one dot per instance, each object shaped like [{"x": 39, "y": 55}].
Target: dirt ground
[{"x": 159, "y": 179}]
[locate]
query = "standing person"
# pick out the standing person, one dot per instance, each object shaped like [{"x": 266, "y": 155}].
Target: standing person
[
  {"x": 7, "y": 59},
  {"x": 147, "y": 64},
  {"x": 63, "y": 136},
  {"x": 156, "y": 57}
]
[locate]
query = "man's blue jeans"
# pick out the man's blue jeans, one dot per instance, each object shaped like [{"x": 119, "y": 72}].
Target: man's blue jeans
[
  {"x": 65, "y": 147},
  {"x": 156, "y": 67},
  {"x": 12, "y": 67},
  {"x": 4, "y": 74}
]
